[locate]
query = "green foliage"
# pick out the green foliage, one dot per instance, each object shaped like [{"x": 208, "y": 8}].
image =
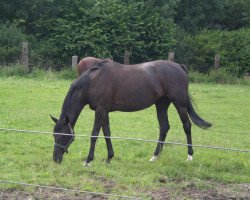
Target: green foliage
[
  {"x": 67, "y": 74},
  {"x": 10, "y": 43},
  {"x": 107, "y": 29},
  {"x": 233, "y": 47},
  {"x": 42, "y": 55},
  {"x": 194, "y": 16},
  {"x": 220, "y": 76},
  {"x": 13, "y": 70},
  {"x": 167, "y": 9},
  {"x": 235, "y": 51},
  {"x": 236, "y": 14},
  {"x": 21, "y": 71},
  {"x": 199, "y": 14},
  {"x": 147, "y": 28}
]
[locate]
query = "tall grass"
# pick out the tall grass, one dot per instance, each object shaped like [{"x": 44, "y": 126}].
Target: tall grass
[
  {"x": 21, "y": 71},
  {"x": 220, "y": 76}
]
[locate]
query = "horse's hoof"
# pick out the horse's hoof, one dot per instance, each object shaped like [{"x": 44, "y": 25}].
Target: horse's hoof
[
  {"x": 189, "y": 158},
  {"x": 154, "y": 158},
  {"x": 108, "y": 162},
  {"x": 85, "y": 164}
]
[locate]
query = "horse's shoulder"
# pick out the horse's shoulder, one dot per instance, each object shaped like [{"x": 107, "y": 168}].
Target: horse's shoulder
[{"x": 100, "y": 69}]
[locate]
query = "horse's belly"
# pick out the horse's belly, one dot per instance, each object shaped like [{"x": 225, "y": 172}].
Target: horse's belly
[
  {"x": 134, "y": 102},
  {"x": 127, "y": 108}
]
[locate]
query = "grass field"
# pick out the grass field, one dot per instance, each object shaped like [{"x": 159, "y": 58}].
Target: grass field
[{"x": 26, "y": 103}]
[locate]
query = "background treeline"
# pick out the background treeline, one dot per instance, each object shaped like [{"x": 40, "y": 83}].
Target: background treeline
[{"x": 195, "y": 30}]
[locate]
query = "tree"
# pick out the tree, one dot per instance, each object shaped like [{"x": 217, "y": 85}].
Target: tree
[
  {"x": 11, "y": 37},
  {"x": 236, "y": 14},
  {"x": 193, "y": 15},
  {"x": 233, "y": 47},
  {"x": 106, "y": 28}
]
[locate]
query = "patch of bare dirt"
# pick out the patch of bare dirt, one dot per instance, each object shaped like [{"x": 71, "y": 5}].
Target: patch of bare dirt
[
  {"x": 213, "y": 191},
  {"x": 14, "y": 194},
  {"x": 176, "y": 190}
]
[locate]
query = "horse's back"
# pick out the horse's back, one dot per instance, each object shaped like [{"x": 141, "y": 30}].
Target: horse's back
[{"x": 135, "y": 87}]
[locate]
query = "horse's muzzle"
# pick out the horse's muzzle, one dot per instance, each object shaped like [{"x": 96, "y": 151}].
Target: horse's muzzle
[{"x": 57, "y": 155}]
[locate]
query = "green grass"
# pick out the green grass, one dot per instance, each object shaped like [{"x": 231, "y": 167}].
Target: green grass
[{"x": 26, "y": 103}]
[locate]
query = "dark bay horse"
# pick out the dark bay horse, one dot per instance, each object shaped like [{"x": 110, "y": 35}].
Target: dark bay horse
[
  {"x": 87, "y": 63},
  {"x": 110, "y": 86}
]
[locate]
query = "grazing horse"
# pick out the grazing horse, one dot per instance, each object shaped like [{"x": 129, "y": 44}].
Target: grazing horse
[{"x": 110, "y": 86}]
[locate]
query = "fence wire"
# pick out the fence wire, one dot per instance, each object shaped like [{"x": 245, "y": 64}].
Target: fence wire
[
  {"x": 127, "y": 138},
  {"x": 68, "y": 190},
  {"x": 117, "y": 138}
]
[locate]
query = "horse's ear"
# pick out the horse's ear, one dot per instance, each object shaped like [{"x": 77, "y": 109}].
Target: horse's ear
[
  {"x": 66, "y": 120},
  {"x": 54, "y": 119}
]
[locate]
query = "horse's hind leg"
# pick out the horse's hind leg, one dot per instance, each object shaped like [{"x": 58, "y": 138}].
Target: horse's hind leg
[
  {"x": 162, "y": 115},
  {"x": 182, "y": 110}
]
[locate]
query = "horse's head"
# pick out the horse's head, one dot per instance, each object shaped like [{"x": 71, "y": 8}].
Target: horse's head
[{"x": 64, "y": 136}]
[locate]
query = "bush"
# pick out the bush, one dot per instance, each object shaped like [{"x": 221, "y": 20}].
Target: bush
[
  {"x": 21, "y": 71},
  {"x": 105, "y": 28},
  {"x": 67, "y": 74},
  {"x": 199, "y": 51},
  {"x": 219, "y": 76},
  {"x": 13, "y": 70},
  {"x": 42, "y": 55},
  {"x": 11, "y": 37}
]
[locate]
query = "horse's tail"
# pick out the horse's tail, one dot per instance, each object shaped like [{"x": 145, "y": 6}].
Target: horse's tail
[
  {"x": 184, "y": 67},
  {"x": 195, "y": 117}
]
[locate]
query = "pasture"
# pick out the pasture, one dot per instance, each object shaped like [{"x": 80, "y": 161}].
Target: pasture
[{"x": 26, "y": 103}]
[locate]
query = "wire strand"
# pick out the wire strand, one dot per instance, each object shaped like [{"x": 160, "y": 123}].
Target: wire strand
[
  {"x": 67, "y": 189},
  {"x": 131, "y": 139}
]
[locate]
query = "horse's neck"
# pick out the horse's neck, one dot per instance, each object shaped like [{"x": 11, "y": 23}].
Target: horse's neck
[
  {"x": 72, "y": 110},
  {"x": 73, "y": 116}
]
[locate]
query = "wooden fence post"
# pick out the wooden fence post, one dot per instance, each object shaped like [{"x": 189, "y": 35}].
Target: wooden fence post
[
  {"x": 171, "y": 56},
  {"x": 127, "y": 54},
  {"x": 25, "y": 55},
  {"x": 216, "y": 62},
  {"x": 74, "y": 62}
]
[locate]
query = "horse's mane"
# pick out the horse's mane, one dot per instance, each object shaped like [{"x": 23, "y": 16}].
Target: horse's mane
[{"x": 82, "y": 83}]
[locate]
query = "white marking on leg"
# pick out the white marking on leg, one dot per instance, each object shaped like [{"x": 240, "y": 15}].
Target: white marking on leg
[
  {"x": 154, "y": 158},
  {"x": 85, "y": 164},
  {"x": 189, "y": 158}
]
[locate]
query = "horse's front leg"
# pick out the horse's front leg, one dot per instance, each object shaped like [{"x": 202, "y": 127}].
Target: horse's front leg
[
  {"x": 107, "y": 133},
  {"x": 99, "y": 115}
]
